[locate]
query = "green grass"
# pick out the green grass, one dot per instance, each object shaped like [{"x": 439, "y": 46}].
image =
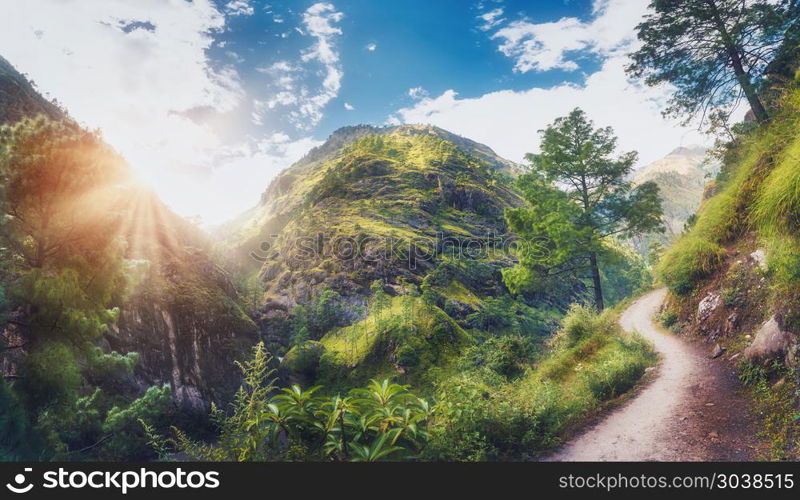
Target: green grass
[
  {"x": 589, "y": 363},
  {"x": 774, "y": 390},
  {"x": 690, "y": 259},
  {"x": 761, "y": 194},
  {"x": 457, "y": 291}
]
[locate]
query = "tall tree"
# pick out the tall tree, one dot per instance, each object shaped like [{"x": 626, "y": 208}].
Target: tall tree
[
  {"x": 713, "y": 51},
  {"x": 59, "y": 190},
  {"x": 579, "y": 197},
  {"x": 60, "y": 238}
]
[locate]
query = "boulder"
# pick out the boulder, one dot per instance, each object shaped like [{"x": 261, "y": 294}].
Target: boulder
[
  {"x": 760, "y": 258},
  {"x": 707, "y": 306},
  {"x": 716, "y": 352},
  {"x": 771, "y": 343}
]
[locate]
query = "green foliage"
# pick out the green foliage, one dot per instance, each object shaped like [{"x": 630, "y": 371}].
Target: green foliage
[
  {"x": 63, "y": 254},
  {"x": 757, "y": 192},
  {"x": 303, "y": 359},
  {"x": 48, "y": 169},
  {"x": 102, "y": 366},
  {"x": 52, "y": 374},
  {"x": 408, "y": 329},
  {"x": 776, "y": 401},
  {"x": 479, "y": 415},
  {"x": 126, "y": 438},
  {"x": 668, "y": 318},
  {"x": 380, "y": 421},
  {"x": 580, "y": 323},
  {"x": 690, "y": 259},
  {"x": 623, "y": 272},
  {"x": 506, "y": 355},
  {"x": 579, "y": 196},
  {"x": 92, "y": 426},
  {"x": 712, "y": 52},
  {"x": 15, "y": 436},
  {"x": 312, "y": 321},
  {"x": 495, "y": 313}
]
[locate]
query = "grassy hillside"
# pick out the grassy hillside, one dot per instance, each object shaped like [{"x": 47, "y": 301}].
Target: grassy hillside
[
  {"x": 422, "y": 302},
  {"x": 387, "y": 207},
  {"x": 19, "y": 98},
  {"x": 682, "y": 177},
  {"x": 734, "y": 277}
]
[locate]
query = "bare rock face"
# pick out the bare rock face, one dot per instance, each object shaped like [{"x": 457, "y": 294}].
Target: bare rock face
[
  {"x": 708, "y": 305},
  {"x": 186, "y": 325},
  {"x": 771, "y": 343}
]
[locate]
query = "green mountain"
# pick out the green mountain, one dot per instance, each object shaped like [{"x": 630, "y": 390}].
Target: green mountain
[
  {"x": 379, "y": 255},
  {"x": 395, "y": 209},
  {"x": 681, "y": 176},
  {"x": 19, "y": 98}
]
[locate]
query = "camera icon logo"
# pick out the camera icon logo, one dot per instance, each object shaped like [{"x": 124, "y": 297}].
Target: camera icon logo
[{"x": 19, "y": 485}]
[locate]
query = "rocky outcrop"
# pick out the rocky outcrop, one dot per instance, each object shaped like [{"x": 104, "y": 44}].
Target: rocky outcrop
[
  {"x": 759, "y": 256},
  {"x": 707, "y": 306},
  {"x": 772, "y": 343},
  {"x": 182, "y": 317}
]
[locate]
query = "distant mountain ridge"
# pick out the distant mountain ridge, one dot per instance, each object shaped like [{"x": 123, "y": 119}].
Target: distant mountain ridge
[{"x": 681, "y": 177}]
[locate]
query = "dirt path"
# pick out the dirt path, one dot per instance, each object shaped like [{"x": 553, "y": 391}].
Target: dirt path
[{"x": 691, "y": 411}]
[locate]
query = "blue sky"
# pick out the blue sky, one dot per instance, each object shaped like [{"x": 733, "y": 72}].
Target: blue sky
[
  {"x": 388, "y": 48},
  {"x": 210, "y": 99}
]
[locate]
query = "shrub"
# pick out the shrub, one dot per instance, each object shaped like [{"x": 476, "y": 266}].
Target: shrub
[
  {"x": 14, "y": 428},
  {"x": 479, "y": 416},
  {"x": 127, "y": 439},
  {"x": 690, "y": 259},
  {"x": 669, "y": 318},
  {"x": 264, "y": 423},
  {"x": 312, "y": 321},
  {"x": 304, "y": 359},
  {"x": 506, "y": 355}
]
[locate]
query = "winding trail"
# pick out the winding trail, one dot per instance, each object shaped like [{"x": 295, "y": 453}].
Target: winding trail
[{"x": 691, "y": 411}]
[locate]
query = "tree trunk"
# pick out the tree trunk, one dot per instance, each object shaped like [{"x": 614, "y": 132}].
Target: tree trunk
[
  {"x": 738, "y": 68},
  {"x": 598, "y": 288},
  {"x": 744, "y": 81}
]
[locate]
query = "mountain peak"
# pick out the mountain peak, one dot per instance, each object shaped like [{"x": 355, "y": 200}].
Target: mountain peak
[
  {"x": 690, "y": 150},
  {"x": 343, "y": 136}
]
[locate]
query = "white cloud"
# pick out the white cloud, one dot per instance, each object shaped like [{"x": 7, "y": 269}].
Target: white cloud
[
  {"x": 239, "y": 8},
  {"x": 129, "y": 68},
  {"x": 417, "y": 93},
  {"x": 548, "y": 45},
  {"x": 305, "y": 103},
  {"x": 349, "y": 107},
  {"x": 491, "y": 19},
  {"x": 508, "y": 121},
  {"x": 238, "y": 182},
  {"x": 371, "y": 47}
]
